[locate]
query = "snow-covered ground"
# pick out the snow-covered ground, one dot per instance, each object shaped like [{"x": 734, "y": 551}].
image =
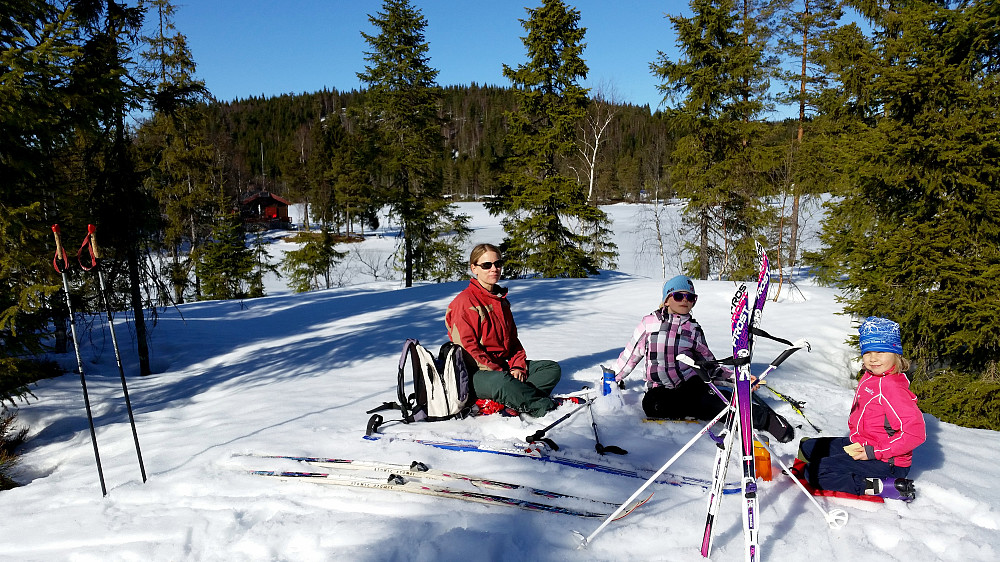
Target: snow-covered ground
[{"x": 294, "y": 374}]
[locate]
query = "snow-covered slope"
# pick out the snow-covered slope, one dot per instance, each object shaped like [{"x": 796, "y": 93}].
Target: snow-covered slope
[{"x": 294, "y": 374}]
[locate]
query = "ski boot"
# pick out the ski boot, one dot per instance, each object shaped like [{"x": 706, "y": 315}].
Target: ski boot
[{"x": 891, "y": 488}]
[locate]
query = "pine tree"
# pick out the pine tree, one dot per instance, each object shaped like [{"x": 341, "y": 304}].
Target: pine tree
[
  {"x": 403, "y": 102},
  {"x": 541, "y": 202},
  {"x": 720, "y": 81},
  {"x": 806, "y": 30}
]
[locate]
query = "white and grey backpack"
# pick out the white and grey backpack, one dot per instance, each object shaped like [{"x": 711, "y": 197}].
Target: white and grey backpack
[{"x": 441, "y": 386}]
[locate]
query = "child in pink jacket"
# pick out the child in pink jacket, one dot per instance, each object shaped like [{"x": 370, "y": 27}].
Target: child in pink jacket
[{"x": 885, "y": 425}]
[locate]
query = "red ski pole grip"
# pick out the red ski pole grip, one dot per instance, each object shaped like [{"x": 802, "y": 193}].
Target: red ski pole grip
[
  {"x": 92, "y": 231},
  {"x": 59, "y": 250}
]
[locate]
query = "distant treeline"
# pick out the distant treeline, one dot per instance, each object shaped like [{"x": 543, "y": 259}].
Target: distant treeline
[{"x": 271, "y": 137}]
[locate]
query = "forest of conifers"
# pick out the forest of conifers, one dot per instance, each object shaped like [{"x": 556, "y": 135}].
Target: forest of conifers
[
  {"x": 897, "y": 127},
  {"x": 271, "y": 137}
]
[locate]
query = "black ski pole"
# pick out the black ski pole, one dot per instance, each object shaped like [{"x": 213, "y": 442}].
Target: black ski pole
[
  {"x": 61, "y": 252},
  {"x": 90, "y": 242},
  {"x": 540, "y": 434},
  {"x": 601, "y": 449}
]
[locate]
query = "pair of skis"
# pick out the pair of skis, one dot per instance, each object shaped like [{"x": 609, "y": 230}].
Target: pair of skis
[
  {"x": 744, "y": 318},
  {"x": 403, "y": 478},
  {"x": 540, "y": 452}
]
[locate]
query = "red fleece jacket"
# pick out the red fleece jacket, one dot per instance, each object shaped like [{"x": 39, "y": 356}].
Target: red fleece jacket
[{"x": 481, "y": 322}]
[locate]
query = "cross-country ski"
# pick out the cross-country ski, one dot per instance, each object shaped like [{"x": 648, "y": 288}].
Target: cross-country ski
[
  {"x": 397, "y": 483},
  {"x": 541, "y": 453},
  {"x": 417, "y": 469}
]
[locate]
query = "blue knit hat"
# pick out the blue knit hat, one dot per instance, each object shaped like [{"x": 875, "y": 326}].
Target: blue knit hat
[
  {"x": 678, "y": 283},
  {"x": 879, "y": 334}
]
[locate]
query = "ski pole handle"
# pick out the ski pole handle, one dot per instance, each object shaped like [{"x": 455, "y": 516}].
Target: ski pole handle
[
  {"x": 687, "y": 361},
  {"x": 59, "y": 250},
  {"x": 90, "y": 243},
  {"x": 92, "y": 231},
  {"x": 699, "y": 366},
  {"x": 784, "y": 354}
]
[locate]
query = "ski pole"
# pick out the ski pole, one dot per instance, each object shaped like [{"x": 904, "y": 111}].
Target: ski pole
[
  {"x": 61, "y": 252},
  {"x": 601, "y": 449},
  {"x": 836, "y": 518},
  {"x": 797, "y": 345},
  {"x": 585, "y": 541},
  {"x": 540, "y": 434},
  {"x": 90, "y": 242},
  {"x": 699, "y": 365},
  {"x": 795, "y": 404}
]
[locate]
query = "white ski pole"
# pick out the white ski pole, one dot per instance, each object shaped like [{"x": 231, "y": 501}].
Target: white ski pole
[
  {"x": 836, "y": 518},
  {"x": 653, "y": 478}
]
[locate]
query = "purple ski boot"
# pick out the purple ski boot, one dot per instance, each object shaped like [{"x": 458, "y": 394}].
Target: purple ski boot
[{"x": 891, "y": 488}]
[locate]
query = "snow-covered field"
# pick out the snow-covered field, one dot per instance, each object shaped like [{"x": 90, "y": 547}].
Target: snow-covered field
[{"x": 294, "y": 374}]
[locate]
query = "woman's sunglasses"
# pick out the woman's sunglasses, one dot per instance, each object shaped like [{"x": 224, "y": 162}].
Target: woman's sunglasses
[
  {"x": 682, "y": 296},
  {"x": 488, "y": 265}
]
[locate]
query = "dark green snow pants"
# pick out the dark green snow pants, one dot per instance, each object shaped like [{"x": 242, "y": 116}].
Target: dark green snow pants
[{"x": 530, "y": 396}]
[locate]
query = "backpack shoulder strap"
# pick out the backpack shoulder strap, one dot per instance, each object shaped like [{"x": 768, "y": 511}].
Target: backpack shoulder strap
[
  {"x": 452, "y": 359},
  {"x": 406, "y": 404}
]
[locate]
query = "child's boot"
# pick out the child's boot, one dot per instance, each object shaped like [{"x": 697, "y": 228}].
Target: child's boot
[{"x": 891, "y": 488}]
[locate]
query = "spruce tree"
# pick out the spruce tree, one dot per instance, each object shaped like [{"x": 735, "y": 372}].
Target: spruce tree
[
  {"x": 226, "y": 266},
  {"x": 719, "y": 86},
  {"x": 551, "y": 230},
  {"x": 402, "y": 116},
  {"x": 39, "y": 52},
  {"x": 173, "y": 145},
  {"x": 918, "y": 240},
  {"x": 108, "y": 184},
  {"x": 311, "y": 265}
]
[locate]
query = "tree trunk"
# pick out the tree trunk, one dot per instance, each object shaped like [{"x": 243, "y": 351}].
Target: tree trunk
[
  {"x": 137, "y": 310},
  {"x": 793, "y": 234},
  {"x": 703, "y": 248}
]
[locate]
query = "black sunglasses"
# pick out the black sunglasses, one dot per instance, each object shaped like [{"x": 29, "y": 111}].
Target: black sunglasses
[
  {"x": 488, "y": 265},
  {"x": 681, "y": 296}
]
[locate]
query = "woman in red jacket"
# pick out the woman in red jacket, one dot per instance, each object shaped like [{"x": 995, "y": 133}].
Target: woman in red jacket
[
  {"x": 885, "y": 425},
  {"x": 479, "y": 319}
]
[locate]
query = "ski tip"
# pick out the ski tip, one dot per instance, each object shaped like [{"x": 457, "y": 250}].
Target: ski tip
[{"x": 636, "y": 505}]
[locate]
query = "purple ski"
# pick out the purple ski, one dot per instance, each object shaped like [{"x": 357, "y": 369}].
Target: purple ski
[{"x": 744, "y": 318}]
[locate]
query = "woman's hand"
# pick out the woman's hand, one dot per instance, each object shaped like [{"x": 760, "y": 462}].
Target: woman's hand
[{"x": 519, "y": 374}]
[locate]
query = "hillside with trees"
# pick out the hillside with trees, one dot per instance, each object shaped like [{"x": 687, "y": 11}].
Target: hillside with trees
[{"x": 897, "y": 127}]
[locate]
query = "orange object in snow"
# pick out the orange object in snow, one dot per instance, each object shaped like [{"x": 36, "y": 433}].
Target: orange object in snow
[{"x": 762, "y": 461}]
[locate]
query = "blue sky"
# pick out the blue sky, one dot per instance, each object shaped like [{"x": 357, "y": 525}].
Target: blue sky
[{"x": 248, "y": 48}]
